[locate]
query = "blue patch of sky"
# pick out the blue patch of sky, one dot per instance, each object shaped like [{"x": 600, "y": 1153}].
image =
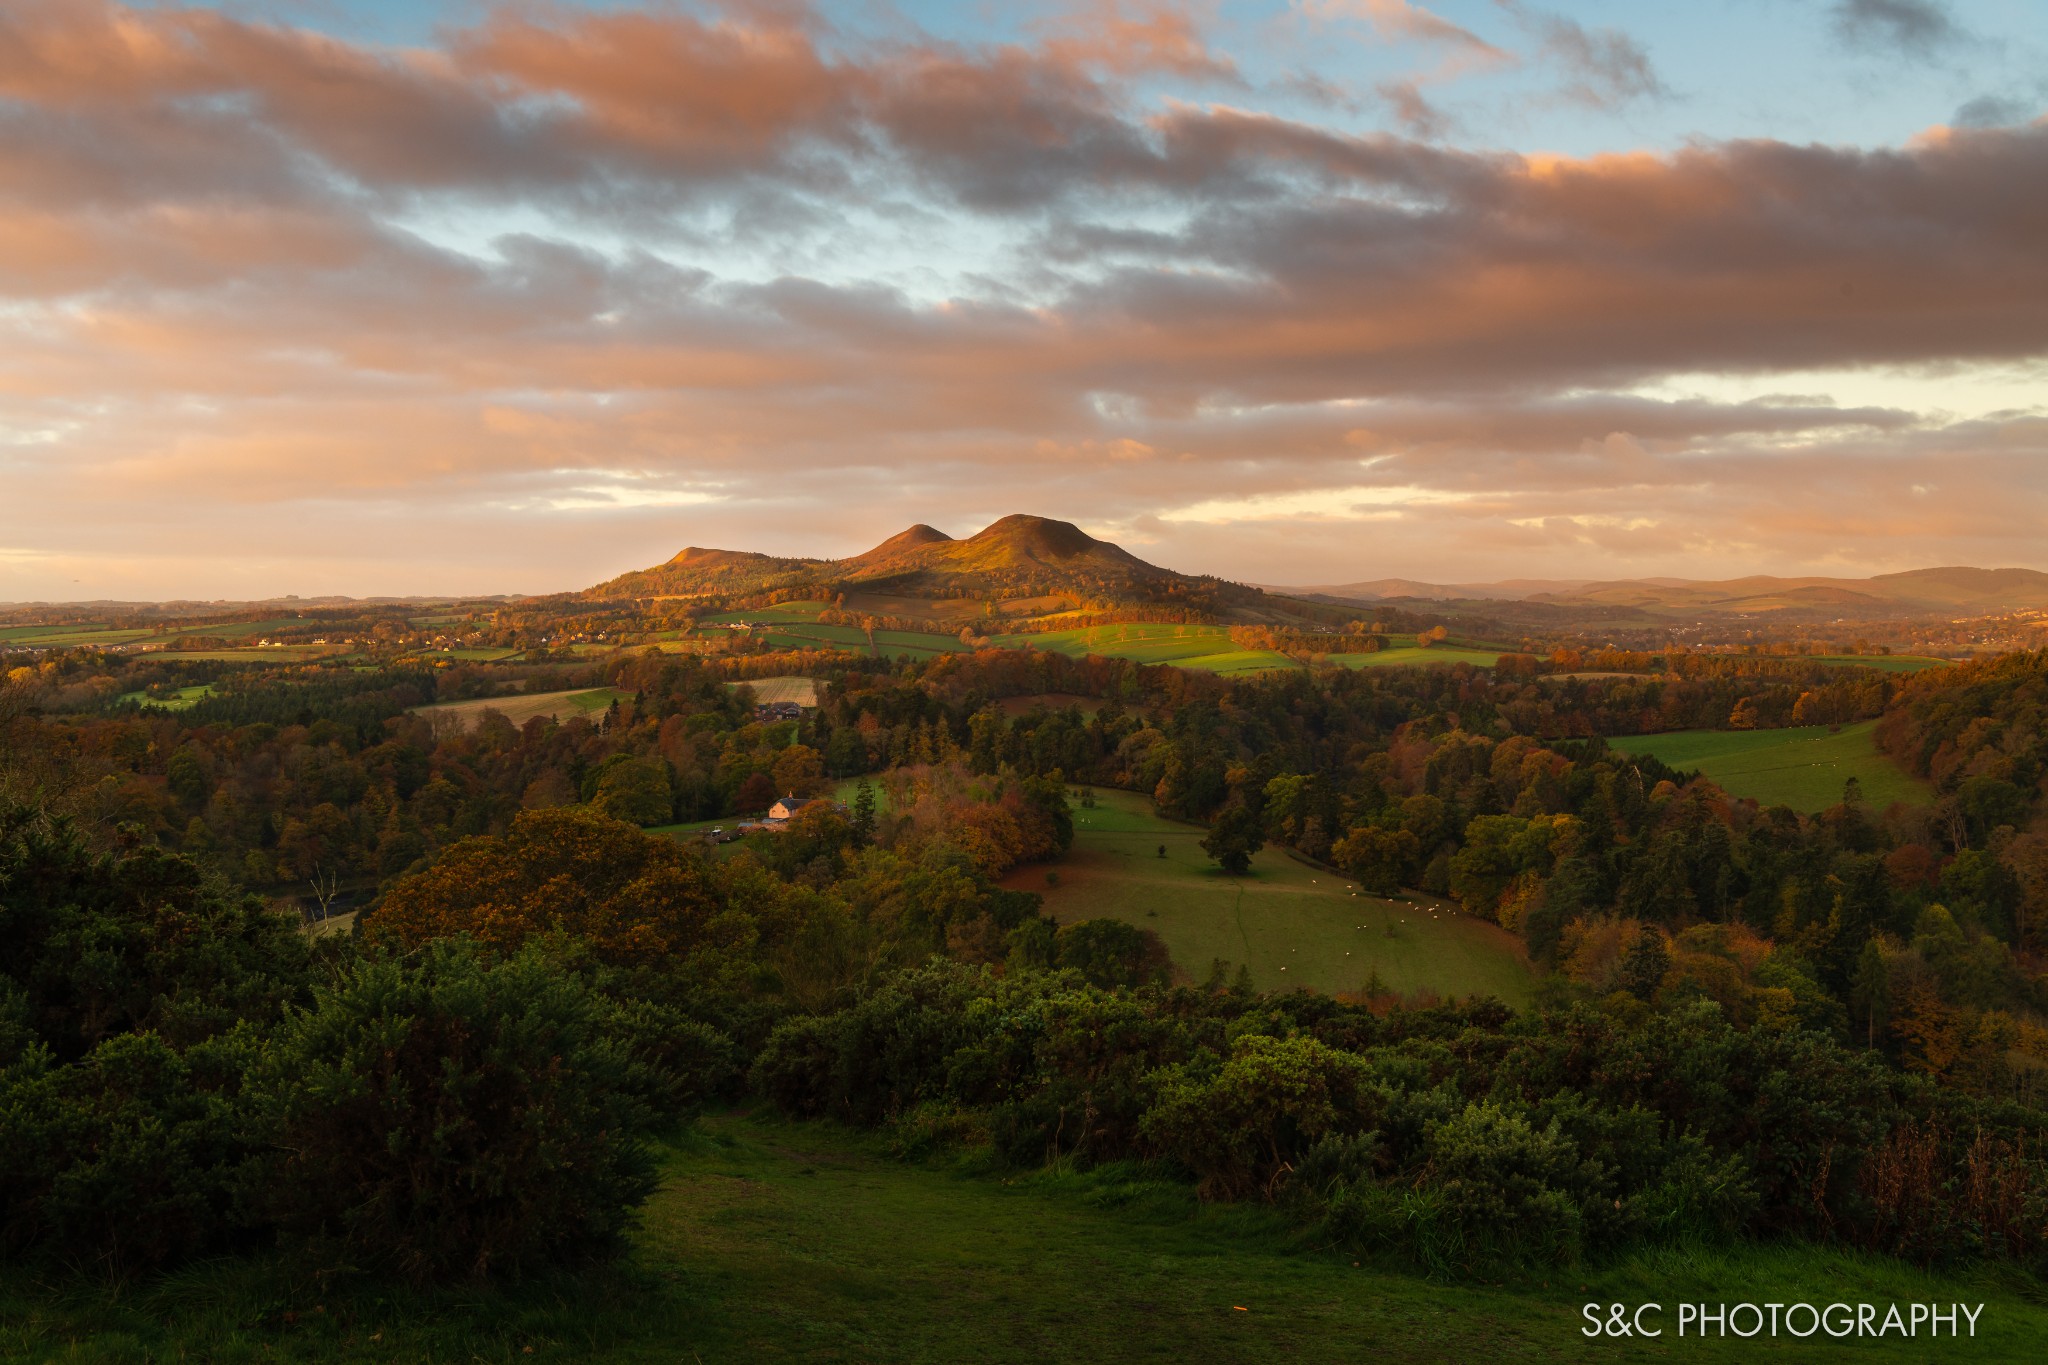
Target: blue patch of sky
[{"x": 1732, "y": 69}]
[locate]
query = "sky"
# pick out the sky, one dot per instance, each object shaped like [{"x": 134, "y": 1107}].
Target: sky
[{"x": 405, "y": 297}]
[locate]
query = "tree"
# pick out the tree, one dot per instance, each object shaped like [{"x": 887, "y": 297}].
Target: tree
[
  {"x": 1234, "y": 838},
  {"x": 863, "y": 827},
  {"x": 636, "y": 790},
  {"x": 1644, "y": 965},
  {"x": 755, "y": 795},
  {"x": 799, "y": 770},
  {"x": 1377, "y": 859},
  {"x": 562, "y": 870}
]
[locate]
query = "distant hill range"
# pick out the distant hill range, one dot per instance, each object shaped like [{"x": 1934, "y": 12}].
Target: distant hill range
[
  {"x": 1031, "y": 565},
  {"x": 1916, "y": 593}
]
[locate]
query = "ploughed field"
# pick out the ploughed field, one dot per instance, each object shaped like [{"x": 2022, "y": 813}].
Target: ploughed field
[
  {"x": 802, "y": 691},
  {"x": 1289, "y": 923},
  {"x": 1804, "y": 768},
  {"x": 809, "y": 1243}
]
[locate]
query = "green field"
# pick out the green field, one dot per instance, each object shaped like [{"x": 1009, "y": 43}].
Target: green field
[
  {"x": 1208, "y": 648},
  {"x": 1803, "y": 768},
  {"x": 1886, "y": 663},
  {"x": 1211, "y": 649},
  {"x": 770, "y": 1241},
  {"x": 1291, "y": 924},
  {"x": 1414, "y": 654},
  {"x": 185, "y": 700}
]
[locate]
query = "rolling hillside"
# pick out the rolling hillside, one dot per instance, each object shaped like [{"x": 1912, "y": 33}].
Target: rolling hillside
[
  {"x": 1914, "y": 593},
  {"x": 1021, "y": 567}
]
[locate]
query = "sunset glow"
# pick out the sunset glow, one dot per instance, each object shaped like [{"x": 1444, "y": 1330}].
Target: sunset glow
[{"x": 376, "y": 297}]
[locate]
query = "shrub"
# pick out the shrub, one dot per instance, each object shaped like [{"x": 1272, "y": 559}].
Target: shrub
[
  {"x": 1241, "y": 1127},
  {"x": 449, "y": 1117},
  {"x": 127, "y": 1159}
]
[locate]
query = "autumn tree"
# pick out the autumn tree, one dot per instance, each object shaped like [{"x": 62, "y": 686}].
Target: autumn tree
[{"x": 565, "y": 870}]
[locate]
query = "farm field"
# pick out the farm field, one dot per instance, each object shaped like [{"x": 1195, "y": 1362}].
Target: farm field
[
  {"x": 473, "y": 656},
  {"x": 780, "y": 1241},
  {"x": 1414, "y": 654},
  {"x": 1290, "y": 924},
  {"x": 1803, "y": 768},
  {"x": 1886, "y": 663},
  {"x": 1208, "y": 648},
  {"x": 802, "y": 691},
  {"x": 185, "y": 700},
  {"x": 795, "y": 625},
  {"x": 520, "y": 709},
  {"x": 260, "y": 654}
]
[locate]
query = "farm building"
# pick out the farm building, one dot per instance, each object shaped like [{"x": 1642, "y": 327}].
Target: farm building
[
  {"x": 788, "y": 806},
  {"x": 778, "y": 710}
]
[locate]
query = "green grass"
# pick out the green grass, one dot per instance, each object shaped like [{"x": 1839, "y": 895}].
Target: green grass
[
  {"x": 1291, "y": 924},
  {"x": 259, "y": 654},
  {"x": 1208, "y": 648},
  {"x": 184, "y": 700},
  {"x": 1804, "y": 768},
  {"x": 1413, "y": 654},
  {"x": 770, "y": 1241},
  {"x": 1886, "y": 663}
]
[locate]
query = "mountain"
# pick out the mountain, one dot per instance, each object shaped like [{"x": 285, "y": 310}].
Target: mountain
[{"x": 1035, "y": 564}]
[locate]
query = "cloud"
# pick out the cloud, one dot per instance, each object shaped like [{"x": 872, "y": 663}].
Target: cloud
[
  {"x": 568, "y": 269},
  {"x": 1912, "y": 28},
  {"x": 1401, "y": 21},
  {"x": 1992, "y": 111},
  {"x": 1604, "y": 68}
]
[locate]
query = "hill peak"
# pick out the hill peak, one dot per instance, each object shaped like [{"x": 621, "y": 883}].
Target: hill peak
[
  {"x": 911, "y": 539},
  {"x": 1038, "y": 537}
]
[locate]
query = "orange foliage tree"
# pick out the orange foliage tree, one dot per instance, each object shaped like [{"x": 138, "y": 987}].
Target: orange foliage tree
[{"x": 566, "y": 870}]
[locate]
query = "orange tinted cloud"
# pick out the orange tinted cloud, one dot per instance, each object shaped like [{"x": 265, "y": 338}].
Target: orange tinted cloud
[{"x": 229, "y": 281}]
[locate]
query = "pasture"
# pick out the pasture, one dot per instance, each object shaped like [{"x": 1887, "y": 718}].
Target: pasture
[
  {"x": 184, "y": 700},
  {"x": 808, "y": 1242},
  {"x": 1415, "y": 655},
  {"x": 520, "y": 709},
  {"x": 1291, "y": 924},
  {"x": 1803, "y": 768},
  {"x": 1885, "y": 663},
  {"x": 1208, "y": 648}
]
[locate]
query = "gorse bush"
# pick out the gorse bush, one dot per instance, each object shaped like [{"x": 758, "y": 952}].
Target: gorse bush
[
  {"x": 449, "y": 1116},
  {"x": 172, "y": 1084},
  {"x": 1459, "y": 1139},
  {"x": 126, "y": 1159}
]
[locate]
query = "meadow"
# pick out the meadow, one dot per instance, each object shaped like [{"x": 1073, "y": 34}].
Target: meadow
[
  {"x": 806, "y": 1242},
  {"x": 1886, "y": 663},
  {"x": 1804, "y": 768},
  {"x": 184, "y": 700},
  {"x": 1289, "y": 923},
  {"x": 1416, "y": 654},
  {"x": 520, "y": 709},
  {"x": 1208, "y": 648}
]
